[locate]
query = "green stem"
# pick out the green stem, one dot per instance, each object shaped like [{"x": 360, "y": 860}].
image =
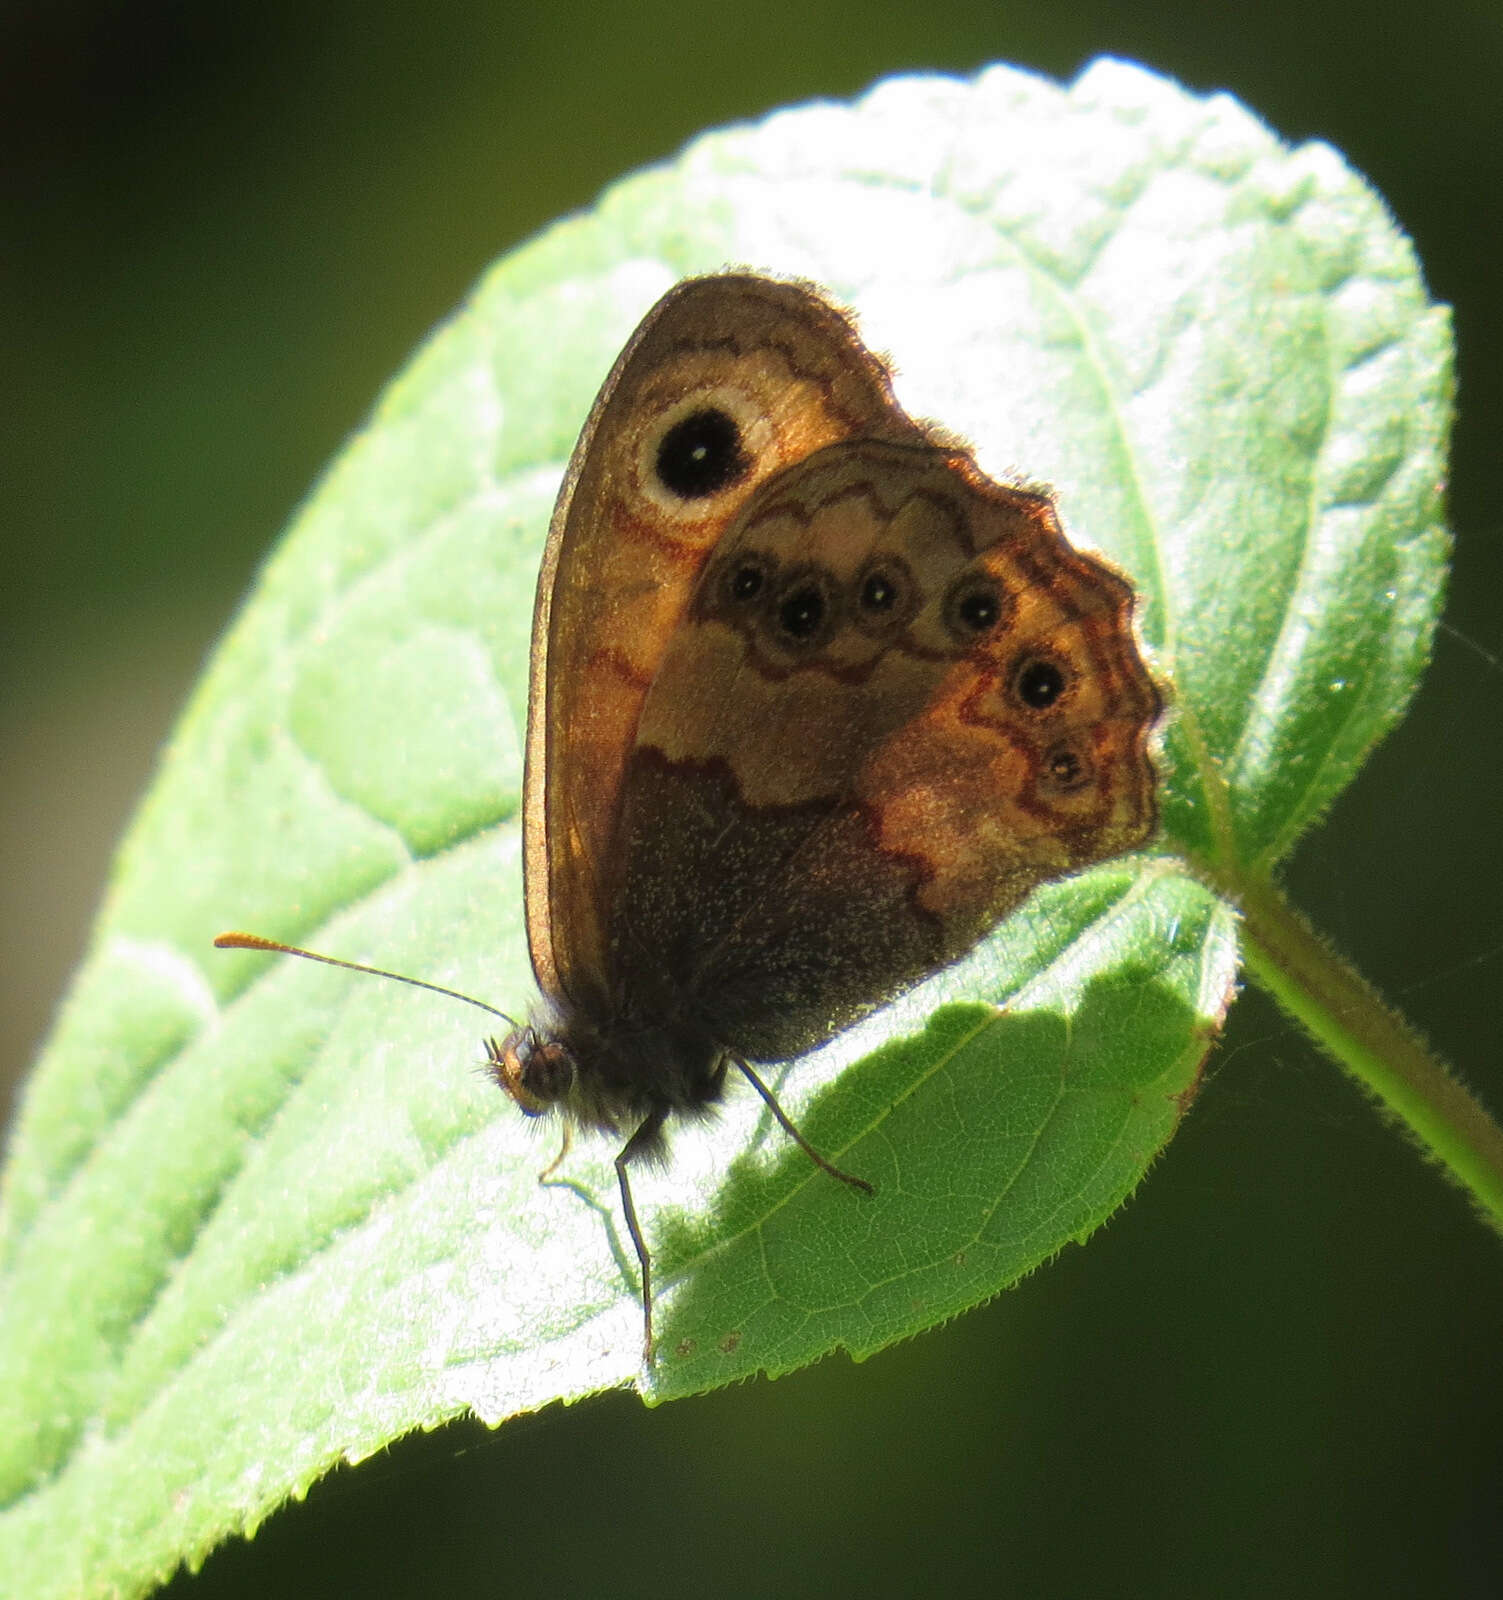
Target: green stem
[{"x": 1380, "y": 1050}]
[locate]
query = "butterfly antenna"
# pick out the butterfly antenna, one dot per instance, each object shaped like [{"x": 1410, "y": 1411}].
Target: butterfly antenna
[
  {"x": 1471, "y": 644},
  {"x": 254, "y": 941}
]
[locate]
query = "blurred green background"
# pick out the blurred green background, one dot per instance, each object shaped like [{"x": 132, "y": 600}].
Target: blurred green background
[{"x": 1278, "y": 1372}]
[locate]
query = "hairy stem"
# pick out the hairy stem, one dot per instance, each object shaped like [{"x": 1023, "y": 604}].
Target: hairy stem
[{"x": 1346, "y": 1016}]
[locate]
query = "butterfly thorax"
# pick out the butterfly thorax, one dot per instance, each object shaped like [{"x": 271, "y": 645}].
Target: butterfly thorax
[{"x": 608, "y": 1073}]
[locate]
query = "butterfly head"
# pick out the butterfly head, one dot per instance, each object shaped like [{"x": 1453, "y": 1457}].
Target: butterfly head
[{"x": 537, "y": 1072}]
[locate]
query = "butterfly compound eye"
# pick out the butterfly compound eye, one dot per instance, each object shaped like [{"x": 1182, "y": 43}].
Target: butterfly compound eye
[{"x": 701, "y": 454}]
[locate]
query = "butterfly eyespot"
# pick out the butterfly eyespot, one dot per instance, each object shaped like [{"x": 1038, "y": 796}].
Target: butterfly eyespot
[
  {"x": 976, "y": 606},
  {"x": 1066, "y": 769},
  {"x": 805, "y": 611},
  {"x": 737, "y": 586},
  {"x": 745, "y": 582},
  {"x": 802, "y": 613},
  {"x": 701, "y": 454},
  {"x": 1039, "y": 683},
  {"x": 884, "y": 596}
]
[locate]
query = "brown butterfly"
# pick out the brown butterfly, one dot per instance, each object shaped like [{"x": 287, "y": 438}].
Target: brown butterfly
[{"x": 814, "y": 703}]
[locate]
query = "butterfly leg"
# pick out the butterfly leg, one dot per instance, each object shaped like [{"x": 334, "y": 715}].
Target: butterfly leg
[
  {"x": 785, "y": 1122},
  {"x": 546, "y": 1175},
  {"x": 642, "y": 1142}
]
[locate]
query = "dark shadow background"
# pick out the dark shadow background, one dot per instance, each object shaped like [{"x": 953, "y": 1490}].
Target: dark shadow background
[{"x": 1278, "y": 1371}]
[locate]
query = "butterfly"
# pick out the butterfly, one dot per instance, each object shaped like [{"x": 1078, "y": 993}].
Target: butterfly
[{"x": 814, "y": 703}]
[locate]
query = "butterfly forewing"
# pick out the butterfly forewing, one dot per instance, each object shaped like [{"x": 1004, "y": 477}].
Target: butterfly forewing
[{"x": 727, "y": 382}]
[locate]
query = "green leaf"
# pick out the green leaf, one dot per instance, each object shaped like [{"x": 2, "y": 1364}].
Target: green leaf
[{"x": 261, "y": 1216}]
